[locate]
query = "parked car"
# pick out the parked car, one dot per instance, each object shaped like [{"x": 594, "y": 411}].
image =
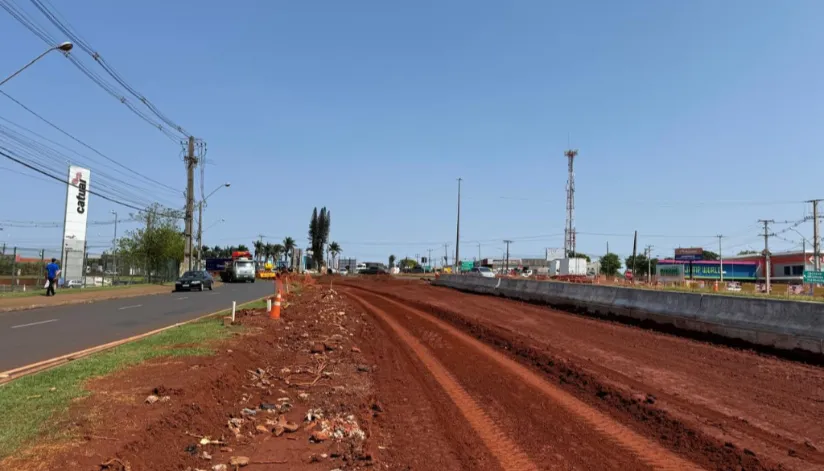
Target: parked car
[
  {"x": 195, "y": 280},
  {"x": 484, "y": 272},
  {"x": 373, "y": 271}
]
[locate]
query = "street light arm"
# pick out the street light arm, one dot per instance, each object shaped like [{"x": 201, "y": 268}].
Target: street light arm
[
  {"x": 65, "y": 47},
  {"x": 226, "y": 185}
]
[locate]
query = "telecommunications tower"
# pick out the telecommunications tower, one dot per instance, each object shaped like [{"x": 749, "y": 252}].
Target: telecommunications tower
[{"x": 569, "y": 228}]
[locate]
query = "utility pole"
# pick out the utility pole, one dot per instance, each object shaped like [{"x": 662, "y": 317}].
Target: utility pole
[
  {"x": 191, "y": 163},
  {"x": 720, "y": 257},
  {"x": 816, "y": 236},
  {"x": 766, "y": 234},
  {"x": 634, "y": 256},
  {"x": 445, "y": 255},
  {"x": 507, "y": 242},
  {"x": 429, "y": 260},
  {"x": 199, "y": 233},
  {"x": 479, "y": 253},
  {"x": 114, "y": 244},
  {"x": 649, "y": 263},
  {"x": 458, "y": 230}
]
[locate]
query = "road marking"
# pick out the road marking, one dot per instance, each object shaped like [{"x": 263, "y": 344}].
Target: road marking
[
  {"x": 129, "y": 307},
  {"x": 33, "y": 323},
  {"x": 184, "y": 297}
]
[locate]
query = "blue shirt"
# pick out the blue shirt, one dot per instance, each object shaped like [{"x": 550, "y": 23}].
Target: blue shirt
[{"x": 52, "y": 268}]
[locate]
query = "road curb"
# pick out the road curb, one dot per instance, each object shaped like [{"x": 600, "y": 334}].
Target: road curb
[{"x": 19, "y": 372}]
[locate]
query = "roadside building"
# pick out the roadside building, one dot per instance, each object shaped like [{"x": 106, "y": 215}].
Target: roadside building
[
  {"x": 679, "y": 270},
  {"x": 786, "y": 267}
]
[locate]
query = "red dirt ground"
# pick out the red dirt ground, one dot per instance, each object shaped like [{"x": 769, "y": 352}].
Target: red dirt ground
[
  {"x": 411, "y": 377},
  {"x": 718, "y": 406}
]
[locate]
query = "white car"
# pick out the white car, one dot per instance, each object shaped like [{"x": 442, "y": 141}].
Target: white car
[{"x": 484, "y": 272}]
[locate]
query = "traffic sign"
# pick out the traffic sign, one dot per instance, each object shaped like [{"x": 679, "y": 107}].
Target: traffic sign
[{"x": 814, "y": 277}]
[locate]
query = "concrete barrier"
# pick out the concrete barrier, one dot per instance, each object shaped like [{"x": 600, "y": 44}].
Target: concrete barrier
[{"x": 773, "y": 323}]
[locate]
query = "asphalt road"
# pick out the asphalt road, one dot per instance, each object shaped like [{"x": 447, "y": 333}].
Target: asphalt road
[{"x": 39, "y": 334}]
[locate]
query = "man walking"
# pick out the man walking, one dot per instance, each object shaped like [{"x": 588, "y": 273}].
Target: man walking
[{"x": 52, "y": 272}]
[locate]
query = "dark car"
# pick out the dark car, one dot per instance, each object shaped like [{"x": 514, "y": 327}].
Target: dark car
[
  {"x": 373, "y": 271},
  {"x": 195, "y": 280}
]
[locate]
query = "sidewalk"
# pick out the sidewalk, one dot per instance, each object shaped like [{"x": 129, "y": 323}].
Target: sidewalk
[{"x": 78, "y": 296}]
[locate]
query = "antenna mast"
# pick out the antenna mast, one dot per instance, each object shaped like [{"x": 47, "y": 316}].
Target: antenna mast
[{"x": 569, "y": 228}]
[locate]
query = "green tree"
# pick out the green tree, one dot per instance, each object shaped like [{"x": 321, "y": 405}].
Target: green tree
[
  {"x": 242, "y": 248},
  {"x": 407, "y": 263},
  {"x": 288, "y": 249},
  {"x": 610, "y": 264},
  {"x": 319, "y": 227},
  {"x": 710, "y": 255},
  {"x": 268, "y": 252},
  {"x": 392, "y": 261},
  {"x": 748, "y": 252},
  {"x": 157, "y": 246},
  {"x": 277, "y": 251},
  {"x": 642, "y": 264},
  {"x": 258, "y": 245}
]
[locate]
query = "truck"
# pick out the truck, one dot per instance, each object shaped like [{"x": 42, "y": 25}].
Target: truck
[{"x": 240, "y": 269}]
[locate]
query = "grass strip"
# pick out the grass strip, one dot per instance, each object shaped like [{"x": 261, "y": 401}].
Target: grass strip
[
  {"x": 32, "y": 404},
  {"x": 40, "y": 291}
]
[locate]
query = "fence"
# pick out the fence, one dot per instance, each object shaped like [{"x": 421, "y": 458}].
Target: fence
[{"x": 24, "y": 269}]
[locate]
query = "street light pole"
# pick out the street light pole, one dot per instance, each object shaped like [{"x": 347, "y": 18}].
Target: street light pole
[
  {"x": 65, "y": 47},
  {"x": 200, "y": 223},
  {"x": 458, "y": 232},
  {"x": 114, "y": 243}
]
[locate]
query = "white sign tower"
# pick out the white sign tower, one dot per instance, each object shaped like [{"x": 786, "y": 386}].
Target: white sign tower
[{"x": 74, "y": 224}]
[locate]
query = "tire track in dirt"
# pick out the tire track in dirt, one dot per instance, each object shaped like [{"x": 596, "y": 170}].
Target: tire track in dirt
[
  {"x": 644, "y": 449},
  {"x": 509, "y": 455}
]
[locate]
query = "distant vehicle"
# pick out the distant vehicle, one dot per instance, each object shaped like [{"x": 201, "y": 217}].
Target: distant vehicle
[
  {"x": 484, "y": 272},
  {"x": 343, "y": 272},
  {"x": 417, "y": 270},
  {"x": 359, "y": 267},
  {"x": 195, "y": 280},
  {"x": 74, "y": 284},
  {"x": 240, "y": 269},
  {"x": 526, "y": 273},
  {"x": 373, "y": 271}
]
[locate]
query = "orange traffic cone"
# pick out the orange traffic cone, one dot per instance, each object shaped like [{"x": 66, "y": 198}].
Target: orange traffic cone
[
  {"x": 715, "y": 287},
  {"x": 275, "y": 312}
]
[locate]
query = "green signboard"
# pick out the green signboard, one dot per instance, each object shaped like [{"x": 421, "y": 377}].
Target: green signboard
[
  {"x": 466, "y": 266},
  {"x": 814, "y": 277}
]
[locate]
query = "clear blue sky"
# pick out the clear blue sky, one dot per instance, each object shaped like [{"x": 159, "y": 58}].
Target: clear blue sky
[{"x": 374, "y": 108}]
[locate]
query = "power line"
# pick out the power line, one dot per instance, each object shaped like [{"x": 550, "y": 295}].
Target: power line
[
  {"x": 87, "y": 146},
  {"x": 37, "y": 152},
  {"x": 64, "y": 26},
  {"x": 65, "y": 182},
  {"x": 42, "y": 150}
]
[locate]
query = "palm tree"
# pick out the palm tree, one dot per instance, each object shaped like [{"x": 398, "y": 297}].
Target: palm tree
[
  {"x": 392, "y": 261},
  {"x": 288, "y": 249},
  {"x": 277, "y": 251},
  {"x": 258, "y": 250},
  {"x": 267, "y": 252},
  {"x": 335, "y": 250}
]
